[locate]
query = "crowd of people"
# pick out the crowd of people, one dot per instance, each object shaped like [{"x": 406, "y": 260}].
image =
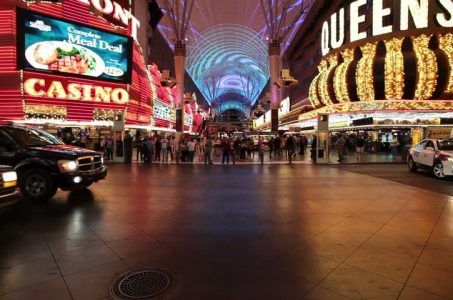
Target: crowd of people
[
  {"x": 189, "y": 149},
  {"x": 164, "y": 149}
]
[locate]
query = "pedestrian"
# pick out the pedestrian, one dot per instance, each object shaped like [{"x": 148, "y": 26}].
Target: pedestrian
[
  {"x": 164, "y": 149},
  {"x": 339, "y": 146},
  {"x": 314, "y": 149},
  {"x": 360, "y": 148},
  {"x": 146, "y": 149},
  {"x": 261, "y": 150},
  {"x": 226, "y": 151},
  {"x": 158, "y": 148},
  {"x": 139, "y": 147},
  {"x": 174, "y": 149},
  {"x": 128, "y": 148},
  {"x": 199, "y": 150},
  {"x": 209, "y": 146},
  {"x": 270, "y": 145},
  {"x": 109, "y": 147},
  {"x": 290, "y": 148},
  {"x": 191, "y": 150},
  {"x": 303, "y": 145}
]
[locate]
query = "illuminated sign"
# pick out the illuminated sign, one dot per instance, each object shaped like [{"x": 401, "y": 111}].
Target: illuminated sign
[
  {"x": 285, "y": 106},
  {"x": 417, "y": 13},
  {"x": 52, "y": 45},
  {"x": 112, "y": 8},
  {"x": 75, "y": 91},
  {"x": 258, "y": 122}
]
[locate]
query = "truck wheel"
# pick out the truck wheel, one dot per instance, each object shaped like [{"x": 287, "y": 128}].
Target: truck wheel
[
  {"x": 36, "y": 184},
  {"x": 411, "y": 165},
  {"x": 438, "y": 170}
]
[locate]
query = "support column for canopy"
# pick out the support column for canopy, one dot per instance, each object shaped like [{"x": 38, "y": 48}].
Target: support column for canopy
[
  {"x": 179, "y": 13},
  {"x": 180, "y": 71},
  {"x": 275, "y": 65},
  {"x": 277, "y": 26}
]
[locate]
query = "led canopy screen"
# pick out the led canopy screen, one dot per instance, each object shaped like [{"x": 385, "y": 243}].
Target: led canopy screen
[{"x": 52, "y": 45}]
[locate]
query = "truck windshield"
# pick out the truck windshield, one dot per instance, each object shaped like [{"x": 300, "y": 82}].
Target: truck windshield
[
  {"x": 31, "y": 137},
  {"x": 446, "y": 145}
]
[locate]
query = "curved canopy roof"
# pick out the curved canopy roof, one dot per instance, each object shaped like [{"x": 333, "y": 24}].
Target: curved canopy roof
[{"x": 227, "y": 47}]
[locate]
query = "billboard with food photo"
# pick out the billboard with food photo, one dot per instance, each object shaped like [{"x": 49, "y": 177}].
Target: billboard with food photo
[{"x": 52, "y": 45}]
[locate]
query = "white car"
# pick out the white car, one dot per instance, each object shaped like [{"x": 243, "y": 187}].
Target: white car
[{"x": 433, "y": 155}]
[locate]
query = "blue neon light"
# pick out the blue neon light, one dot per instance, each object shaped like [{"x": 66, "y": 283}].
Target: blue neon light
[{"x": 229, "y": 58}]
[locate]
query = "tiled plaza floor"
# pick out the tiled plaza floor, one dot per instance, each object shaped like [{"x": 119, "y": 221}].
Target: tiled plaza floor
[{"x": 242, "y": 232}]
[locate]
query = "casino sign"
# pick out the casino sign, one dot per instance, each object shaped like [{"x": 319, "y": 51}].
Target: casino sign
[{"x": 376, "y": 58}]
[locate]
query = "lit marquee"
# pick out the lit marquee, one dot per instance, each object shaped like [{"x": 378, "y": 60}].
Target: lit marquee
[
  {"x": 340, "y": 79},
  {"x": 364, "y": 73},
  {"x": 446, "y": 45},
  {"x": 417, "y": 12},
  {"x": 427, "y": 68},
  {"x": 394, "y": 69}
]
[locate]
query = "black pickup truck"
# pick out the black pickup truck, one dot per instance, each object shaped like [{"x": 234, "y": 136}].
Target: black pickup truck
[{"x": 44, "y": 163}]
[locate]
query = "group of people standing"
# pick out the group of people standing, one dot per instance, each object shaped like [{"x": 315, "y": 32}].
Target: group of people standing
[{"x": 167, "y": 148}]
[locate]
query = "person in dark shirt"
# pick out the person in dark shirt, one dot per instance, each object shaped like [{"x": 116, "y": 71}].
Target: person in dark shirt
[
  {"x": 360, "y": 147},
  {"x": 158, "y": 147},
  {"x": 128, "y": 148}
]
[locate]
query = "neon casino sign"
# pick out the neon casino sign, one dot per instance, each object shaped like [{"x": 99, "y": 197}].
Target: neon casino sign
[
  {"x": 37, "y": 87},
  {"x": 112, "y": 8},
  {"x": 420, "y": 13}
]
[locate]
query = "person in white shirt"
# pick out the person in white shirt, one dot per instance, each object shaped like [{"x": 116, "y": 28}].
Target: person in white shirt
[
  {"x": 191, "y": 150},
  {"x": 164, "y": 149}
]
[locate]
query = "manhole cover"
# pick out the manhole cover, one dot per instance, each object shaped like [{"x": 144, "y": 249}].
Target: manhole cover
[{"x": 142, "y": 284}]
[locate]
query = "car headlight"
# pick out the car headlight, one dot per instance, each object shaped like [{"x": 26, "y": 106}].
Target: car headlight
[
  {"x": 67, "y": 166},
  {"x": 9, "y": 176}
]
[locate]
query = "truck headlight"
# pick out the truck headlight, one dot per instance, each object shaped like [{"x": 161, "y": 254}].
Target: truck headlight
[
  {"x": 9, "y": 176},
  {"x": 67, "y": 166}
]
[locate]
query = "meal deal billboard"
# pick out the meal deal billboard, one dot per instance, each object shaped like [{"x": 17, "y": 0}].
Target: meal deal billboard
[{"x": 52, "y": 45}]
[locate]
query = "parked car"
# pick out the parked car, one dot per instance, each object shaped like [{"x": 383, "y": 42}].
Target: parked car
[
  {"x": 433, "y": 155},
  {"x": 44, "y": 163},
  {"x": 8, "y": 186}
]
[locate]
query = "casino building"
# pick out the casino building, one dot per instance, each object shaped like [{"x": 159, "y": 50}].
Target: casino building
[
  {"x": 77, "y": 63},
  {"x": 382, "y": 66}
]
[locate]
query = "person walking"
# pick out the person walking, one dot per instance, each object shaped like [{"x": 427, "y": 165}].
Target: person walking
[
  {"x": 164, "y": 149},
  {"x": 360, "y": 148},
  {"x": 209, "y": 146},
  {"x": 146, "y": 150},
  {"x": 199, "y": 150},
  {"x": 128, "y": 148},
  {"x": 303, "y": 145},
  {"x": 314, "y": 149},
  {"x": 191, "y": 150},
  {"x": 339, "y": 146},
  {"x": 226, "y": 151},
  {"x": 108, "y": 144},
  {"x": 173, "y": 149},
  {"x": 158, "y": 148},
  {"x": 261, "y": 150},
  {"x": 290, "y": 148},
  {"x": 270, "y": 144}
]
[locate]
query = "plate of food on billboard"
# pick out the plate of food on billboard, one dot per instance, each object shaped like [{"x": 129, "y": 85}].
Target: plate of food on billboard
[{"x": 52, "y": 45}]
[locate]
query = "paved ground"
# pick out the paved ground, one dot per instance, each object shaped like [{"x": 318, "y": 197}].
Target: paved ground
[
  {"x": 399, "y": 173},
  {"x": 243, "y": 232}
]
